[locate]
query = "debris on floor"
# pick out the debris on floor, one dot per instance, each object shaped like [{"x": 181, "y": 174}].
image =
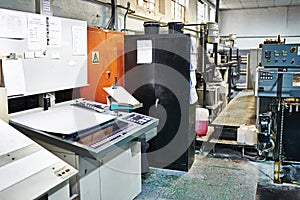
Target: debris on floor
[{"x": 209, "y": 178}]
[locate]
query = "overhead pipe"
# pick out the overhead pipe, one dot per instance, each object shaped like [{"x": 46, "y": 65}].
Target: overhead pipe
[
  {"x": 125, "y": 16},
  {"x": 112, "y": 20},
  {"x": 215, "y": 48},
  {"x": 217, "y": 11}
]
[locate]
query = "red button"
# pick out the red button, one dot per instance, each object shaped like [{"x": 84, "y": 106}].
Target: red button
[
  {"x": 293, "y": 49},
  {"x": 67, "y": 170}
]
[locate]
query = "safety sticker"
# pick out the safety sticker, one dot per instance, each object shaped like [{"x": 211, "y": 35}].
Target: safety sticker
[{"x": 95, "y": 57}]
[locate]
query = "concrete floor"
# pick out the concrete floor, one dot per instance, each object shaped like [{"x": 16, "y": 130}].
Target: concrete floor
[
  {"x": 209, "y": 178},
  {"x": 217, "y": 177},
  {"x": 266, "y": 189}
]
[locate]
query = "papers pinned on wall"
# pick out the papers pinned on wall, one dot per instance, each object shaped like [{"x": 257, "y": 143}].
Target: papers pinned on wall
[
  {"x": 54, "y": 32},
  {"x": 79, "y": 46},
  {"x": 144, "y": 51},
  {"x": 13, "y": 76},
  {"x": 37, "y": 34},
  {"x": 13, "y": 25}
]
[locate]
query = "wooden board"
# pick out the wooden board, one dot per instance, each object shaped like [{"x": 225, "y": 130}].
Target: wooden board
[{"x": 239, "y": 111}]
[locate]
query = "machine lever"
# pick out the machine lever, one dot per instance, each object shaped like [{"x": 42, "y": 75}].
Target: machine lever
[{"x": 156, "y": 103}]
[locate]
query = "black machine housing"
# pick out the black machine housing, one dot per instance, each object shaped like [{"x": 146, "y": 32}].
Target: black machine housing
[{"x": 163, "y": 86}]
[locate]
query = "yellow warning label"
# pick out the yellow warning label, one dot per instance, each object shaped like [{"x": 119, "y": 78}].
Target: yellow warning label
[{"x": 95, "y": 57}]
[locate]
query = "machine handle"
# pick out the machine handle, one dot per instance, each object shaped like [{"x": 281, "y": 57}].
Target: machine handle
[{"x": 156, "y": 103}]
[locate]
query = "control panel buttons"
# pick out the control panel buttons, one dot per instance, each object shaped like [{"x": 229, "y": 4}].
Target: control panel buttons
[
  {"x": 138, "y": 119},
  {"x": 293, "y": 49},
  {"x": 284, "y": 53},
  {"x": 266, "y": 76},
  {"x": 280, "y": 55},
  {"x": 63, "y": 172},
  {"x": 268, "y": 54},
  {"x": 293, "y": 61}
]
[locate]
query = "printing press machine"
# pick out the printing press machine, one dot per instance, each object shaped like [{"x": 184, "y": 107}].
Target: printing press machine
[
  {"x": 278, "y": 93},
  {"x": 41, "y": 80},
  {"x": 102, "y": 145},
  {"x": 29, "y": 171}
]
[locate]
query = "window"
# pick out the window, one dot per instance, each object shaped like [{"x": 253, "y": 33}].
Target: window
[
  {"x": 178, "y": 8},
  {"x": 149, "y": 4},
  {"x": 162, "y": 6},
  {"x": 212, "y": 14},
  {"x": 202, "y": 13}
]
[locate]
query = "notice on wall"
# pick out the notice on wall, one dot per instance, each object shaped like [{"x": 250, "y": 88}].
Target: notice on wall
[
  {"x": 13, "y": 24},
  {"x": 54, "y": 32},
  {"x": 79, "y": 48},
  {"x": 37, "y": 35},
  {"x": 144, "y": 51}
]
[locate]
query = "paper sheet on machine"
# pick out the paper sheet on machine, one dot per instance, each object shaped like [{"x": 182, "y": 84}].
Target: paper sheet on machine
[
  {"x": 122, "y": 96},
  {"x": 64, "y": 120}
]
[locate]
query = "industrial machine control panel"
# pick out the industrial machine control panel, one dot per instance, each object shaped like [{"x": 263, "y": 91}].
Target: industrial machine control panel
[
  {"x": 138, "y": 119},
  {"x": 280, "y": 71},
  {"x": 268, "y": 81},
  {"x": 281, "y": 55}
]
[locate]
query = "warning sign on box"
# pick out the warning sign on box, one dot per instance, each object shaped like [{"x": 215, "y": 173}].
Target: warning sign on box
[{"x": 95, "y": 57}]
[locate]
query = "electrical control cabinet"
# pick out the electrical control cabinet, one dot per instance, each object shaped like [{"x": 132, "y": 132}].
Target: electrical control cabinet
[{"x": 105, "y": 62}]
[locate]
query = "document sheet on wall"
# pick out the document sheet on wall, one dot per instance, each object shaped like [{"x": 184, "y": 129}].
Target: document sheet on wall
[
  {"x": 13, "y": 76},
  {"x": 144, "y": 51}
]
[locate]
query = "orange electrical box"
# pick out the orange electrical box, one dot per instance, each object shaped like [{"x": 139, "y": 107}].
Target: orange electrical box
[{"x": 105, "y": 62}]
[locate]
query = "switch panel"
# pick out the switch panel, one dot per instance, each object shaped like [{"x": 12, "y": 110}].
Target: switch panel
[
  {"x": 64, "y": 172},
  {"x": 268, "y": 80},
  {"x": 138, "y": 119},
  {"x": 281, "y": 55}
]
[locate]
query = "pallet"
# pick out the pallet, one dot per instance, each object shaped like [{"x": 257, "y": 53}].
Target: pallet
[
  {"x": 212, "y": 139},
  {"x": 239, "y": 111}
]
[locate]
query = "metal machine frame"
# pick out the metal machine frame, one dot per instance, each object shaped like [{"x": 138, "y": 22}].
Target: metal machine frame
[{"x": 278, "y": 92}]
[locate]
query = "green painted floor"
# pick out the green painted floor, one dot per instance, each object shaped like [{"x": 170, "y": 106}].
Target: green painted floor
[{"x": 209, "y": 178}]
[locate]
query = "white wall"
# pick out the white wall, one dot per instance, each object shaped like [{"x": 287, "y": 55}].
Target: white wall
[
  {"x": 96, "y": 14},
  {"x": 253, "y": 26}
]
